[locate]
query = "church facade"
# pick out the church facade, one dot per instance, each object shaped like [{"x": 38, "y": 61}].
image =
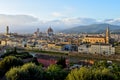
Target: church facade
[{"x": 98, "y": 39}]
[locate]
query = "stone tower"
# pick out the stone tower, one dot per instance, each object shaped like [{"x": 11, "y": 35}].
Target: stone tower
[
  {"x": 7, "y": 30},
  {"x": 107, "y": 35},
  {"x": 38, "y": 32}
]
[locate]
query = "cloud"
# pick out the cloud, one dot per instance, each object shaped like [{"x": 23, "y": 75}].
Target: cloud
[
  {"x": 113, "y": 21},
  {"x": 79, "y": 21},
  {"x": 56, "y": 14},
  {"x": 17, "y": 19},
  {"x": 27, "y": 23},
  {"x": 18, "y": 22}
]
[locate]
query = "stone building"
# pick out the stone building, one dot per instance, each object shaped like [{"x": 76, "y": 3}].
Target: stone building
[
  {"x": 50, "y": 32},
  {"x": 105, "y": 49},
  {"x": 98, "y": 39}
]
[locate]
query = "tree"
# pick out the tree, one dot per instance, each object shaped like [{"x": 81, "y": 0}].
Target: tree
[
  {"x": 116, "y": 70},
  {"x": 80, "y": 74},
  {"x": 15, "y": 50},
  {"x": 9, "y": 62},
  {"x": 104, "y": 74},
  {"x": 62, "y": 62},
  {"x": 34, "y": 60},
  {"x": 28, "y": 71},
  {"x": 101, "y": 64},
  {"x": 107, "y": 74},
  {"x": 91, "y": 74},
  {"x": 55, "y": 72},
  {"x": 22, "y": 55}
]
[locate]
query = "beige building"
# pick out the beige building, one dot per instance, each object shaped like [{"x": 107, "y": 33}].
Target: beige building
[
  {"x": 94, "y": 39},
  {"x": 3, "y": 42},
  {"x": 98, "y": 39},
  {"x": 54, "y": 46}
]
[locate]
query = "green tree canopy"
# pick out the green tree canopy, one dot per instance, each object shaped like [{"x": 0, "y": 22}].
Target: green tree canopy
[
  {"x": 55, "y": 72},
  {"x": 9, "y": 62},
  {"x": 28, "y": 71},
  {"x": 79, "y": 74},
  {"x": 91, "y": 74},
  {"x": 62, "y": 62}
]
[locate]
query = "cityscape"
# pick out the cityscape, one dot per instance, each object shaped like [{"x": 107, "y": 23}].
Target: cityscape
[{"x": 63, "y": 45}]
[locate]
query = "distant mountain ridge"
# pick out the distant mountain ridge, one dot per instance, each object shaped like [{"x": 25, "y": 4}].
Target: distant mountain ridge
[{"x": 93, "y": 28}]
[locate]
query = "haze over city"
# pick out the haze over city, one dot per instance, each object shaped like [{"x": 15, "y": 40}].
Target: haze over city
[{"x": 28, "y": 15}]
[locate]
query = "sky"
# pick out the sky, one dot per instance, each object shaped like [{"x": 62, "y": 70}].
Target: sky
[
  {"x": 58, "y": 12},
  {"x": 54, "y": 9}
]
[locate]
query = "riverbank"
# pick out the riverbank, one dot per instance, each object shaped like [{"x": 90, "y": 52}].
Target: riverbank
[{"x": 75, "y": 57}]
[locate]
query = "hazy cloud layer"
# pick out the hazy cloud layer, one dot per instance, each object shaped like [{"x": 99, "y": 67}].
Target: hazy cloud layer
[
  {"x": 113, "y": 21},
  {"x": 17, "y": 19},
  {"x": 17, "y": 22},
  {"x": 27, "y": 23}
]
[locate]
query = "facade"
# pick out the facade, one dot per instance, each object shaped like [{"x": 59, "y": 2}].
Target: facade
[
  {"x": 94, "y": 39},
  {"x": 102, "y": 49},
  {"x": 106, "y": 49},
  {"x": 83, "y": 49},
  {"x": 98, "y": 39}
]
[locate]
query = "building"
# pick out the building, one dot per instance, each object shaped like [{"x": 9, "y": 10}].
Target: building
[
  {"x": 105, "y": 49},
  {"x": 98, "y": 39},
  {"x": 50, "y": 32},
  {"x": 37, "y": 33},
  {"x": 83, "y": 49},
  {"x": 7, "y": 30},
  {"x": 3, "y": 42}
]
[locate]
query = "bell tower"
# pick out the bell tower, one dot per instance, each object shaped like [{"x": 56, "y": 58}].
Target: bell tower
[
  {"x": 107, "y": 35},
  {"x": 7, "y": 30}
]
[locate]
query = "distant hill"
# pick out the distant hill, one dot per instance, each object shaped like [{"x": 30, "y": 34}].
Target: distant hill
[{"x": 93, "y": 28}]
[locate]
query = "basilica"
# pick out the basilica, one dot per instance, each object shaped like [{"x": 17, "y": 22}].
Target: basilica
[{"x": 98, "y": 39}]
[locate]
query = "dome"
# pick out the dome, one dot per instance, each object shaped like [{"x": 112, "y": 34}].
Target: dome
[{"x": 50, "y": 29}]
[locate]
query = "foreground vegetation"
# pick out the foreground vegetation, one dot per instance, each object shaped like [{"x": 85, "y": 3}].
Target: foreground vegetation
[
  {"x": 99, "y": 71},
  {"x": 14, "y": 68},
  {"x": 29, "y": 71}
]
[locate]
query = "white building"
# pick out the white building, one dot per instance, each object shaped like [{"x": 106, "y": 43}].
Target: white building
[
  {"x": 83, "y": 49},
  {"x": 106, "y": 49},
  {"x": 102, "y": 49}
]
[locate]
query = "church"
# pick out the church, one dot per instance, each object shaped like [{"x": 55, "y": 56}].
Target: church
[{"x": 98, "y": 39}]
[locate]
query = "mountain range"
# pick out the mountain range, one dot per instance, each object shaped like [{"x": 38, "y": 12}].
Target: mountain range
[{"x": 93, "y": 28}]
